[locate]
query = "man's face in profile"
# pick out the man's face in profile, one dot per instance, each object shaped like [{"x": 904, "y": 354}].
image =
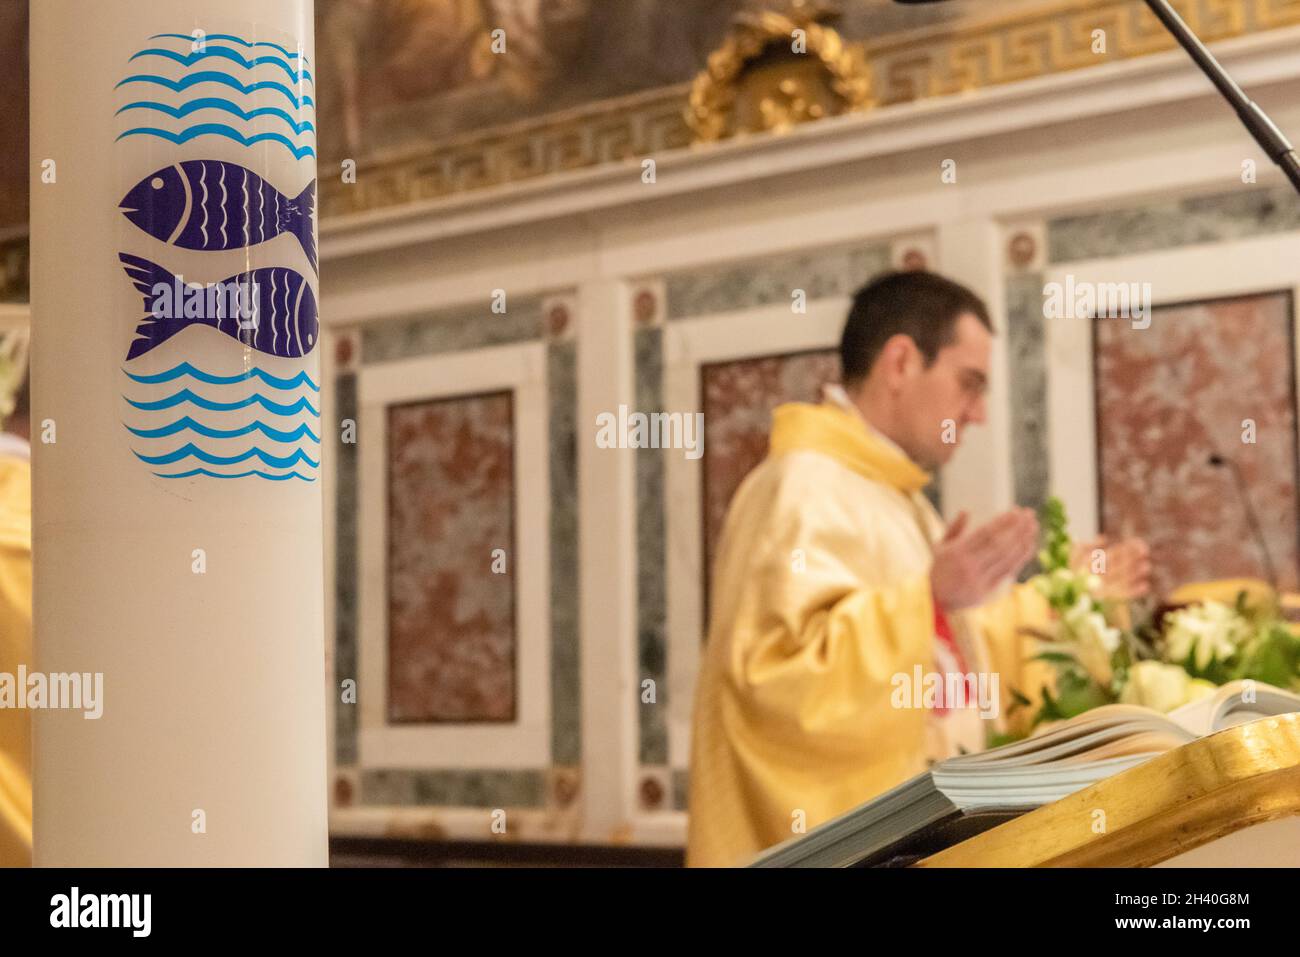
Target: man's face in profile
[{"x": 947, "y": 395}]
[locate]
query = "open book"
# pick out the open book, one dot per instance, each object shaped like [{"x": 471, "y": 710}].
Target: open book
[{"x": 963, "y": 796}]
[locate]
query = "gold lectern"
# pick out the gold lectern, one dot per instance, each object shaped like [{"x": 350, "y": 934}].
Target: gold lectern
[{"x": 1231, "y": 799}]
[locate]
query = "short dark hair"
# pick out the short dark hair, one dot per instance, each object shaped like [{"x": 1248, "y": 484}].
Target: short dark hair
[{"x": 923, "y": 306}]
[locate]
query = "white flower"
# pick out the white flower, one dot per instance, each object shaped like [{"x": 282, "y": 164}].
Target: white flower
[
  {"x": 1164, "y": 687},
  {"x": 1205, "y": 632},
  {"x": 1089, "y": 625},
  {"x": 1062, "y": 585},
  {"x": 1094, "y": 641}
]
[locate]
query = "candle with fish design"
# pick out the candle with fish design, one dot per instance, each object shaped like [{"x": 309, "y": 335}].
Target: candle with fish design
[{"x": 178, "y": 432}]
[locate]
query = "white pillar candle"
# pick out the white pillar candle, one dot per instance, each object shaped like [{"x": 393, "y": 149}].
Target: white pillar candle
[{"x": 177, "y": 437}]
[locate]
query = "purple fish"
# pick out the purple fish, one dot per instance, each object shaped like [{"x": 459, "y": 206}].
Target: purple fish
[
  {"x": 210, "y": 205},
  {"x": 271, "y": 310}
]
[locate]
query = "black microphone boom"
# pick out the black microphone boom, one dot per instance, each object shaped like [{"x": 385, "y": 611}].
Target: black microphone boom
[{"x": 1256, "y": 530}]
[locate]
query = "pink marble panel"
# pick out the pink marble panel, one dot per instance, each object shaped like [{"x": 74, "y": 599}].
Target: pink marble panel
[
  {"x": 451, "y": 616},
  {"x": 1171, "y": 396}
]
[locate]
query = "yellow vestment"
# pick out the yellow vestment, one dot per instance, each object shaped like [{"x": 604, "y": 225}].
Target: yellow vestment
[
  {"x": 821, "y": 596},
  {"x": 15, "y": 649}
]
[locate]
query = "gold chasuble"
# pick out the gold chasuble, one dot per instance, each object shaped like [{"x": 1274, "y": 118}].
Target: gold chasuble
[
  {"x": 822, "y": 622},
  {"x": 15, "y": 649}
]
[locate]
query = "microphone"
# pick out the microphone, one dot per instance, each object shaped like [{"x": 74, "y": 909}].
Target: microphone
[{"x": 1218, "y": 461}]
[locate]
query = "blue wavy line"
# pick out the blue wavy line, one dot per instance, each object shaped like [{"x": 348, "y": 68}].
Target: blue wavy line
[
  {"x": 217, "y": 129},
  {"x": 216, "y": 103},
  {"x": 225, "y": 53},
  {"x": 182, "y": 425},
  {"x": 185, "y": 395},
  {"x": 210, "y": 76},
  {"x": 217, "y": 475},
  {"x": 229, "y": 38},
  {"x": 190, "y": 449},
  {"x": 186, "y": 369}
]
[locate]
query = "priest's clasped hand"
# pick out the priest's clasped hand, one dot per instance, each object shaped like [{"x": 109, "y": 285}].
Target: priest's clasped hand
[
  {"x": 1123, "y": 567},
  {"x": 969, "y": 565}
]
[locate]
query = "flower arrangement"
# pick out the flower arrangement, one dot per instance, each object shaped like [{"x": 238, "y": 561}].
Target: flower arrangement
[{"x": 1173, "y": 655}]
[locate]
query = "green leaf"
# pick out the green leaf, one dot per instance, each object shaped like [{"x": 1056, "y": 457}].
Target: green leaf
[
  {"x": 998, "y": 738},
  {"x": 1077, "y": 692},
  {"x": 1058, "y": 656},
  {"x": 1054, "y": 544},
  {"x": 1272, "y": 657}
]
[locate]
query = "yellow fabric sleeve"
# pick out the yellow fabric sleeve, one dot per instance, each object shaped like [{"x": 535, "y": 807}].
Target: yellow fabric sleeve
[
  {"x": 817, "y": 650},
  {"x": 826, "y": 668},
  {"x": 15, "y": 649},
  {"x": 15, "y": 815},
  {"x": 999, "y": 623}
]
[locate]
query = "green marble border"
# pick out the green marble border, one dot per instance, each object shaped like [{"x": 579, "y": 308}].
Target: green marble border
[
  {"x": 1027, "y": 358},
  {"x": 452, "y": 330},
  {"x": 443, "y": 332},
  {"x": 821, "y": 274},
  {"x": 346, "y": 612},
  {"x": 652, "y": 562},
  {"x": 566, "y": 692},
  {"x": 438, "y": 788},
  {"x": 681, "y": 784},
  {"x": 1169, "y": 224}
]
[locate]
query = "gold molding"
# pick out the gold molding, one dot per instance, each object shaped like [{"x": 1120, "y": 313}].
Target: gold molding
[
  {"x": 939, "y": 61},
  {"x": 841, "y": 84},
  {"x": 1169, "y": 805}
]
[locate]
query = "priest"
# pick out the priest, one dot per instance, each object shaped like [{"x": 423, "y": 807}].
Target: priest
[{"x": 837, "y": 586}]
